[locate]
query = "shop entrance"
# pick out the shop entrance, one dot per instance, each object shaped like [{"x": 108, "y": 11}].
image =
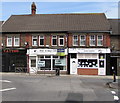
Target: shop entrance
[
  {"x": 13, "y": 61},
  {"x": 102, "y": 64},
  {"x": 113, "y": 63},
  {"x": 73, "y": 66}
]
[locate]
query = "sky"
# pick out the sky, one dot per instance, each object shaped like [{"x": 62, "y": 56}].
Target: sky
[{"x": 17, "y": 8}]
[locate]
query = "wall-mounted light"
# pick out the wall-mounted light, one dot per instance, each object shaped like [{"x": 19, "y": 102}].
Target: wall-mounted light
[
  {"x": 26, "y": 43},
  {"x": 2, "y": 44},
  {"x": 47, "y": 45},
  {"x": 113, "y": 47}
]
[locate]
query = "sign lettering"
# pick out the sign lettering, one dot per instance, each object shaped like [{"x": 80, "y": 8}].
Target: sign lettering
[{"x": 10, "y": 51}]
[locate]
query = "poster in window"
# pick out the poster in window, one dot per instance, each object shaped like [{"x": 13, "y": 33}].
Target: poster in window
[
  {"x": 41, "y": 63},
  {"x": 101, "y": 64}
]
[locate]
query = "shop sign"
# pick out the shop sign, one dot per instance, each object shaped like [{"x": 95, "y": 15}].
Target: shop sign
[
  {"x": 60, "y": 62},
  {"x": 42, "y": 51},
  {"x": 85, "y": 50},
  {"x": 10, "y": 51},
  {"x": 61, "y": 52},
  {"x": 41, "y": 63}
]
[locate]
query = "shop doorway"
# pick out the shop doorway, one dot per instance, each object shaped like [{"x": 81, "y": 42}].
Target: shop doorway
[
  {"x": 73, "y": 66},
  {"x": 11, "y": 62},
  {"x": 113, "y": 63}
]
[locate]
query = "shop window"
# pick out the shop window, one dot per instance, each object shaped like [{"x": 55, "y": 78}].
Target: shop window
[
  {"x": 73, "y": 55},
  {"x": 9, "y": 41},
  {"x": 34, "y": 40},
  {"x": 54, "y": 40},
  {"x": 100, "y": 40},
  {"x": 75, "y": 40},
  {"x": 82, "y": 40},
  {"x": 92, "y": 40},
  {"x": 87, "y": 63},
  {"x": 33, "y": 63},
  {"x": 59, "y": 63},
  {"x": 47, "y": 56},
  {"x": 16, "y": 41},
  {"x": 47, "y": 64},
  {"x": 101, "y": 63},
  {"x": 61, "y": 41},
  {"x": 40, "y": 56},
  {"x": 101, "y": 56},
  {"x": 41, "y": 40},
  {"x": 54, "y": 57}
]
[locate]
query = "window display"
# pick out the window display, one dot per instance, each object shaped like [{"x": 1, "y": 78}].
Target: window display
[
  {"x": 87, "y": 63},
  {"x": 101, "y": 63},
  {"x": 48, "y": 62}
]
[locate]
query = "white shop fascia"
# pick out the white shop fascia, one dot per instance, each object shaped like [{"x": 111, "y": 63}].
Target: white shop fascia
[
  {"x": 35, "y": 52},
  {"x": 89, "y": 50}
]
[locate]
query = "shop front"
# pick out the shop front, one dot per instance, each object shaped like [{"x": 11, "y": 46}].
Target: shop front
[
  {"x": 14, "y": 60},
  {"x": 47, "y": 60},
  {"x": 88, "y": 61}
]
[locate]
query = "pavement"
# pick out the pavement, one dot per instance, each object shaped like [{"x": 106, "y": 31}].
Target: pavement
[{"x": 93, "y": 76}]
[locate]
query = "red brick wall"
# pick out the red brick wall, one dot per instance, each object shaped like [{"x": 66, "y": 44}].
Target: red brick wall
[
  {"x": 87, "y": 40},
  {"x": 86, "y": 71},
  {"x": 28, "y": 39},
  {"x": 70, "y": 40},
  {"x": 108, "y": 40}
]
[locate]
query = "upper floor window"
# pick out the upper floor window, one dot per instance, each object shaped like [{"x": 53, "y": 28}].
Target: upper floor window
[
  {"x": 16, "y": 41},
  {"x": 9, "y": 41},
  {"x": 34, "y": 40},
  {"x": 41, "y": 40},
  {"x": 54, "y": 40},
  {"x": 100, "y": 40},
  {"x": 61, "y": 41},
  {"x": 92, "y": 40},
  {"x": 82, "y": 40},
  {"x": 75, "y": 40}
]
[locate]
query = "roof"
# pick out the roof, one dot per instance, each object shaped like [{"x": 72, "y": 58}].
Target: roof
[
  {"x": 57, "y": 22},
  {"x": 114, "y": 26}
]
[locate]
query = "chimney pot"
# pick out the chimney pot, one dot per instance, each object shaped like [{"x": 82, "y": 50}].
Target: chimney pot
[{"x": 33, "y": 8}]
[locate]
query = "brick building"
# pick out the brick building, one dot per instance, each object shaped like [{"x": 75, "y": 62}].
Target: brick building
[
  {"x": 75, "y": 43},
  {"x": 115, "y": 45}
]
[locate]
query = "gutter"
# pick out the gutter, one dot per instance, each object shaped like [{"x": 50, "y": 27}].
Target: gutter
[
  {"x": 57, "y": 32},
  {"x": 90, "y": 32}
]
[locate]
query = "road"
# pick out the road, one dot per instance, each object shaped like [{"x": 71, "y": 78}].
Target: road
[{"x": 57, "y": 88}]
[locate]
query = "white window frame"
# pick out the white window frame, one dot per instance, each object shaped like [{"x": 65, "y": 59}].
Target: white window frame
[
  {"x": 9, "y": 37},
  {"x": 92, "y": 40},
  {"x": 82, "y": 40},
  {"x": 101, "y": 40},
  {"x": 54, "y": 38},
  {"x": 41, "y": 37},
  {"x": 76, "y": 40},
  {"x": 62, "y": 39},
  {"x": 34, "y": 37},
  {"x": 16, "y": 37}
]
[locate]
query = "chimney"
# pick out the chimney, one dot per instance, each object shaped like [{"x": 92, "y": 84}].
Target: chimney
[{"x": 33, "y": 8}]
